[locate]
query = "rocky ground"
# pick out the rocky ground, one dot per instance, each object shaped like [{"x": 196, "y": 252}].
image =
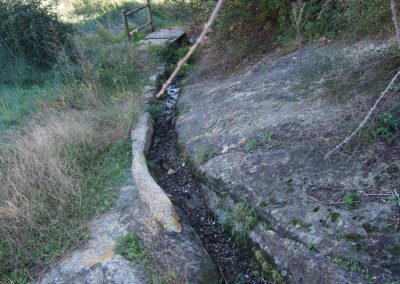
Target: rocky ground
[
  {"x": 261, "y": 137},
  {"x": 175, "y": 257}
]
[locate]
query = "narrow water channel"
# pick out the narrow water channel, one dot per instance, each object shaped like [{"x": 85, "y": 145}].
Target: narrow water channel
[{"x": 235, "y": 265}]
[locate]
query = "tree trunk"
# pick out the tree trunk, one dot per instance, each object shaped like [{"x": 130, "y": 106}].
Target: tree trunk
[{"x": 395, "y": 12}]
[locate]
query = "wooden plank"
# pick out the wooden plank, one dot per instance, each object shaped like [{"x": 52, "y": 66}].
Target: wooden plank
[
  {"x": 166, "y": 34},
  {"x": 136, "y": 10},
  {"x": 139, "y": 28},
  {"x": 163, "y": 37}
]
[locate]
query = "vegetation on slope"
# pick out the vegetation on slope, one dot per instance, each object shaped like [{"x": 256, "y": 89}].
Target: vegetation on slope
[
  {"x": 69, "y": 94},
  {"x": 246, "y": 27},
  {"x": 69, "y": 87}
]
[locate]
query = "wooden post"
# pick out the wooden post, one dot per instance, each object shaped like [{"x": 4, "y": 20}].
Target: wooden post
[
  {"x": 150, "y": 16},
  {"x": 128, "y": 36}
]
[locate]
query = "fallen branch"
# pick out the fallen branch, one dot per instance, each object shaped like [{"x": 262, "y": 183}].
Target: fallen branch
[
  {"x": 323, "y": 202},
  {"x": 191, "y": 51},
  {"x": 362, "y": 124}
]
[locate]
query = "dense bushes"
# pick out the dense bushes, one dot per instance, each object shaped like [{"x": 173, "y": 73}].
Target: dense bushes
[
  {"x": 30, "y": 31},
  {"x": 258, "y": 21},
  {"x": 317, "y": 18}
]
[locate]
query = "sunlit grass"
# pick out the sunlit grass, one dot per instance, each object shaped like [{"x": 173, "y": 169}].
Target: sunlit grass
[{"x": 18, "y": 103}]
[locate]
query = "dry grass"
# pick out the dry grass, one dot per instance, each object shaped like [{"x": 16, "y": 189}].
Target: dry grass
[
  {"x": 57, "y": 164},
  {"x": 45, "y": 196}
]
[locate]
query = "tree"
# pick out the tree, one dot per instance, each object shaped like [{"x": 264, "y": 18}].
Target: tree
[{"x": 395, "y": 13}]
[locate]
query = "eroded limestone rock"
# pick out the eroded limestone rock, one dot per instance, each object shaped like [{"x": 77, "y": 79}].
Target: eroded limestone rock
[{"x": 283, "y": 174}]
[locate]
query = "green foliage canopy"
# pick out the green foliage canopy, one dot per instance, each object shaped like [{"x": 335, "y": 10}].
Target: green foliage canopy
[{"x": 30, "y": 30}]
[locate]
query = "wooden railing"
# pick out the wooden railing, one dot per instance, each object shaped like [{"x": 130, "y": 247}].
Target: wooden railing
[{"x": 125, "y": 15}]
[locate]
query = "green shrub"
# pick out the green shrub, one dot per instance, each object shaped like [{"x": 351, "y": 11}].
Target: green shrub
[
  {"x": 30, "y": 30},
  {"x": 240, "y": 220},
  {"x": 393, "y": 200},
  {"x": 244, "y": 25},
  {"x": 267, "y": 136},
  {"x": 366, "y": 17},
  {"x": 133, "y": 248},
  {"x": 351, "y": 266},
  {"x": 156, "y": 110},
  {"x": 312, "y": 247},
  {"x": 204, "y": 154},
  {"x": 252, "y": 145},
  {"x": 350, "y": 199},
  {"x": 388, "y": 127}
]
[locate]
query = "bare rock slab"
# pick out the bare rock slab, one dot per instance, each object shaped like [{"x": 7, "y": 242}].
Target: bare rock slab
[{"x": 267, "y": 132}]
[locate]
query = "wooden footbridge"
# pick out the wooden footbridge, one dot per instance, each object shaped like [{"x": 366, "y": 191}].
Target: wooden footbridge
[{"x": 163, "y": 37}]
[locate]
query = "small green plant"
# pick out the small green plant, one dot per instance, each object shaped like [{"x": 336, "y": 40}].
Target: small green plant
[
  {"x": 184, "y": 112},
  {"x": 388, "y": 127},
  {"x": 240, "y": 220},
  {"x": 171, "y": 57},
  {"x": 151, "y": 165},
  {"x": 300, "y": 224},
  {"x": 351, "y": 266},
  {"x": 132, "y": 247},
  {"x": 393, "y": 200},
  {"x": 267, "y": 136},
  {"x": 156, "y": 109},
  {"x": 350, "y": 199},
  {"x": 252, "y": 145},
  {"x": 311, "y": 247},
  {"x": 334, "y": 216},
  {"x": 179, "y": 53},
  {"x": 204, "y": 154},
  {"x": 138, "y": 36},
  {"x": 265, "y": 225}
]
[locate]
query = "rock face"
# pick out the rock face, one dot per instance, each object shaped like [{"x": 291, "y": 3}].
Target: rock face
[{"x": 265, "y": 134}]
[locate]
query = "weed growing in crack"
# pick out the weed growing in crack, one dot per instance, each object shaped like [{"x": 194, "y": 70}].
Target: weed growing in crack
[
  {"x": 252, "y": 145},
  {"x": 393, "y": 200},
  {"x": 267, "y": 136},
  {"x": 388, "y": 127},
  {"x": 184, "y": 112},
  {"x": 204, "y": 154},
  {"x": 240, "y": 220},
  {"x": 265, "y": 225},
  {"x": 263, "y": 141},
  {"x": 132, "y": 247},
  {"x": 351, "y": 266},
  {"x": 172, "y": 56},
  {"x": 350, "y": 199},
  {"x": 311, "y": 247},
  {"x": 155, "y": 109}
]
